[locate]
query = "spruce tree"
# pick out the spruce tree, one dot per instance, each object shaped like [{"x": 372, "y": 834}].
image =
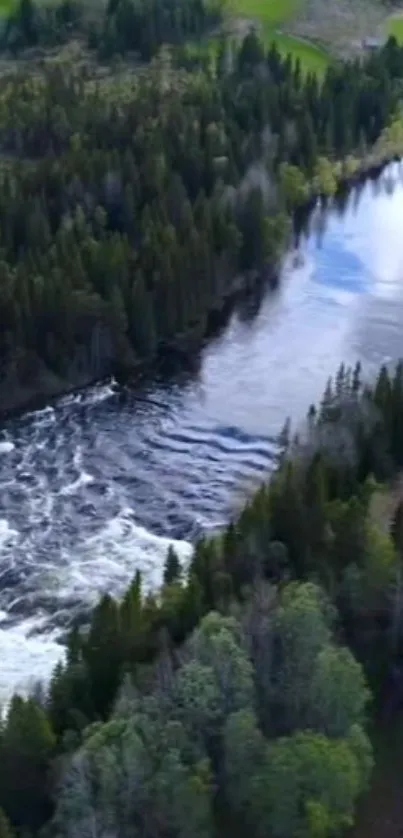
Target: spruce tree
[{"x": 172, "y": 569}]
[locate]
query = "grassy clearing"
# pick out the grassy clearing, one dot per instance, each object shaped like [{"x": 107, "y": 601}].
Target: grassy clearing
[
  {"x": 272, "y": 17},
  {"x": 394, "y": 26},
  {"x": 270, "y": 13},
  {"x": 6, "y": 6},
  {"x": 313, "y": 58}
]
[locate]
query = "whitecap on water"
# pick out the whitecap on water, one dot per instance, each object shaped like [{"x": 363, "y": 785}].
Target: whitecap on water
[
  {"x": 25, "y": 658},
  {"x": 83, "y": 480},
  {"x": 109, "y": 559},
  {"x": 45, "y": 413},
  {"x": 8, "y": 535},
  {"x": 96, "y": 394},
  {"x": 107, "y": 562},
  {"x": 6, "y": 446},
  {"x": 100, "y": 393}
]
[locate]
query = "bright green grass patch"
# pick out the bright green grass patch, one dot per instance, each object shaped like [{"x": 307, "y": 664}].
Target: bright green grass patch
[
  {"x": 6, "y": 6},
  {"x": 313, "y": 58},
  {"x": 394, "y": 26},
  {"x": 271, "y": 13},
  {"x": 271, "y": 16}
]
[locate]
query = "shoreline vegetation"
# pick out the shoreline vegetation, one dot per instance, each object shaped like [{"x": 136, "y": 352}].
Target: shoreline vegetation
[
  {"x": 311, "y": 569},
  {"x": 135, "y": 194},
  {"x": 334, "y": 176}
]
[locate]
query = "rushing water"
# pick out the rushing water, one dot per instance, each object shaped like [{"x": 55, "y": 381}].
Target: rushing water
[{"x": 102, "y": 482}]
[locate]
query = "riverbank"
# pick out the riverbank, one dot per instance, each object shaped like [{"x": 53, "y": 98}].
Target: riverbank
[
  {"x": 344, "y": 176},
  {"x": 48, "y": 387}
]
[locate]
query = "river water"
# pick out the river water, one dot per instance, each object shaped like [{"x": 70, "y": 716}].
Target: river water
[{"x": 100, "y": 483}]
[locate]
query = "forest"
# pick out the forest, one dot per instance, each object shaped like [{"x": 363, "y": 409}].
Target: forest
[
  {"x": 134, "y": 201},
  {"x": 139, "y": 27},
  {"x": 242, "y": 695}
]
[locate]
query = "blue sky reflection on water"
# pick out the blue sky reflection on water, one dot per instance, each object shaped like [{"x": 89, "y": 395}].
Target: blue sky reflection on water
[
  {"x": 341, "y": 301},
  {"x": 341, "y": 269}
]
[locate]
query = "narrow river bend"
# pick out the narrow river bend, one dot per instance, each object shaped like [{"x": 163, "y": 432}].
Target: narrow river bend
[{"x": 102, "y": 482}]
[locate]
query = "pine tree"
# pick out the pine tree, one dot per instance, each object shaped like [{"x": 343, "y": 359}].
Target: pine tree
[
  {"x": 26, "y": 748},
  {"x": 172, "y": 569},
  {"x": 26, "y": 14},
  {"x": 142, "y": 327},
  {"x": 103, "y": 654}
]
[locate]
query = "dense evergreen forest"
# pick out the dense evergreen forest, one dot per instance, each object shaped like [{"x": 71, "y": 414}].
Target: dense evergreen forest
[
  {"x": 116, "y": 27},
  {"x": 238, "y": 697},
  {"x": 133, "y": 201}
]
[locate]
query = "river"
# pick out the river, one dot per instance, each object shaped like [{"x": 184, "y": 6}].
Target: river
[{"x": 100, "y": 483}]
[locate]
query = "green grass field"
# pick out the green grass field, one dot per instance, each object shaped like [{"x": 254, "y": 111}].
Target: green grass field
[
  {"x": 313, "y": 58},
  {"x": 272, "y": 17},
  {"x": 270, "y": 13},
  {"x": 394, "y": 26},
  {"x": 6, "y": 6}
]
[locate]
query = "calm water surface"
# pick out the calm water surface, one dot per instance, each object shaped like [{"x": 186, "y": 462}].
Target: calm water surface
[{"x": 102, "y": 482}]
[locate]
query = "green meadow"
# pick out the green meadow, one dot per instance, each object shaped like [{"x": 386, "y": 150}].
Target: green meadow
[
  {"x": 313, "y": 58},
  {"x": 394, "y": 26},
  {"x": 6, "y": 6},
  {"x": 272, "y": 17},
  {"x": 270, "y": 13}
]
